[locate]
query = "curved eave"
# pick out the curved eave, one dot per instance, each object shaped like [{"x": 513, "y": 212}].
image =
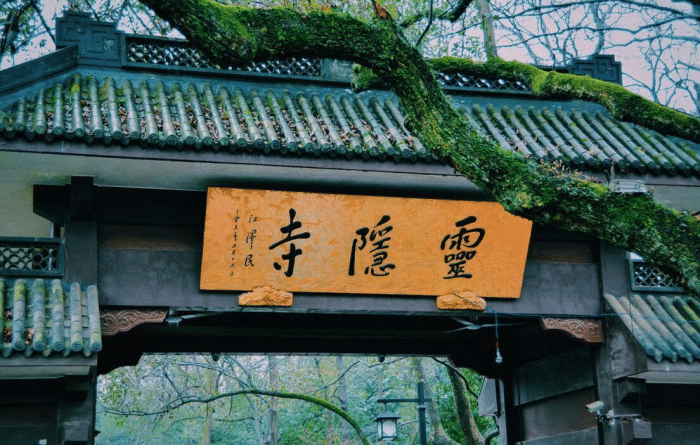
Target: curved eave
[
  {"x": 48, "y": 318},
  {"x": 666, "y": 326}
]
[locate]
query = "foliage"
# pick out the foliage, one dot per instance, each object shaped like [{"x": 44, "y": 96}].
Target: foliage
[{"x": 161, "y": 382}]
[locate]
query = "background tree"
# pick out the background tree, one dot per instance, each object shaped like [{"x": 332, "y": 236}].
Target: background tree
[
  {"x": 663, "y": 36},
  {"x": 193, "y": 399},
  {"x": 437, "y": 436}
]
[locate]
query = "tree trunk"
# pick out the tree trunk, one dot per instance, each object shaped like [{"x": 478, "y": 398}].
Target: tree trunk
[
  {"x": 272, "y": 415},
  {"x": 464, "y": 409},
  {"x": 343, "y": 398},
  {"x": 207, "y": 425},
  {"x": 330, "y": 430},
  {"x": 248, "y": 382},
  {"x": 488, "y": 28},
  {"x": 437, "y": 436},
  {"x": 210, "y": 378},
  {"x": 257, "y": 422}
]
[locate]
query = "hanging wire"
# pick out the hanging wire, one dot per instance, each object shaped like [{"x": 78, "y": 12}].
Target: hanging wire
[{"x": 499, "y": 358}]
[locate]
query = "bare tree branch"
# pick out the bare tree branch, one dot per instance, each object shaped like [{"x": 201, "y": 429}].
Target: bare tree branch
[
  {"x": 452, "y": 367},
  {"x": 46, "y": 26},
  {"x": 451, "y": 14}
]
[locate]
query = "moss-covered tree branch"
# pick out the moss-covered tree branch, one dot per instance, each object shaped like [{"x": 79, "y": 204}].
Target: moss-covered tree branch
[
  {"x": 537, "y": 192},
  {"x": 185, "y": 400},
  {"x": 622, "y": 103}
]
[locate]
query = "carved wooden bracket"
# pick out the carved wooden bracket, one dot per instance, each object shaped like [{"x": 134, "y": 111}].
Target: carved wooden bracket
[
  {"x": 590, "y": 331},
  {"x": 463, "y": 300},
  {"x": 113, "y": 322},
  {"x": 266, "y": 296}
]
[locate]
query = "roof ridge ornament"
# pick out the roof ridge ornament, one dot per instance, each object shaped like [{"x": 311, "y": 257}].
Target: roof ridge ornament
[
  {"x": 628, "y": 186},
  {"x": 99, "y": 42}
]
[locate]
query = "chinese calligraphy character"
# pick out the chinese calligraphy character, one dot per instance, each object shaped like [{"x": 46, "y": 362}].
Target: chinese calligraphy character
[
  {"x": 250, "y": 237},
  {"x": 379, "y": 250},
  {"x": 289, "y": 236},
  {"x": 461, "y": 246}
]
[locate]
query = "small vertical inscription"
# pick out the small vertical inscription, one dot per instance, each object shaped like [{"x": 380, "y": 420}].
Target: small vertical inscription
[{"x": 234, "y": 244}]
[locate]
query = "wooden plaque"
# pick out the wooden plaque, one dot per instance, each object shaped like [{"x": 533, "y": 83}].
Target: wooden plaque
[{"x": 307, "y": 242}]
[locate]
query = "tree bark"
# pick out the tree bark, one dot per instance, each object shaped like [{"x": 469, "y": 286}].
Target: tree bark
[
  {"x": 488, "y": 28},
  {"x": 464, "y": 409},
  {"x": 541, "y": 193}
]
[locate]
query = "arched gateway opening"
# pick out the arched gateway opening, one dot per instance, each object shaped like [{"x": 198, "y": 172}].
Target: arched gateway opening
[{"x": 194, "y": 209}]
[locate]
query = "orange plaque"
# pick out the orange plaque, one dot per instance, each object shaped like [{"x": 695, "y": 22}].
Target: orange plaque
[{"x": 307, "y": 242}]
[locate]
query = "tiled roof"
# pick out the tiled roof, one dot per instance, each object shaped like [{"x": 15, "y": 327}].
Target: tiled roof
[
  {"x": 667, "y": 327},
  {"x": 49, "y": 317},
  {"x": 212, "y": 118}
]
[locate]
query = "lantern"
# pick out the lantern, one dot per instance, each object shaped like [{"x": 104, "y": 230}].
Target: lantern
[{"x": 386, "y": 425}]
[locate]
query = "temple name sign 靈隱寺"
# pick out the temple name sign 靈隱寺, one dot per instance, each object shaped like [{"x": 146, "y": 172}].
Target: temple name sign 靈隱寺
[{"x": 308, "y": 242}]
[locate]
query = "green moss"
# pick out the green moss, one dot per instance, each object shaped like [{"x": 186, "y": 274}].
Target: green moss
[
  {"x": 363, "y": 79},
  {"x": 622, "y": 104}
]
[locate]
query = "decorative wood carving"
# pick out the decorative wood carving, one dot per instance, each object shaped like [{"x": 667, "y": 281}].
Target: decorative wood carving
[
  {"x": 266, "y": 296},
  {"x": 463, "y": 300},
  {"x": 590, "y": 331},
  {"x": 113, "y": 322}
]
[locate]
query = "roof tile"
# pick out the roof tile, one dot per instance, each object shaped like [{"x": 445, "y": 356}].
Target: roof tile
[
  {"x": 666, "y": 326},
  {"x": 49, "y": 316},
  {"x": 206, "y": 117}
]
